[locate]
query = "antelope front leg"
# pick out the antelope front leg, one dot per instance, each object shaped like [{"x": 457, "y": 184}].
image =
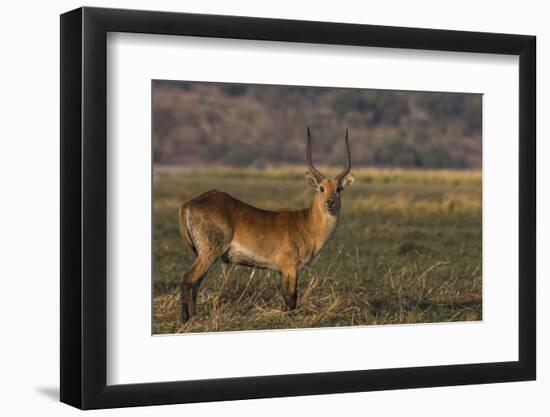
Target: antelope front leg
[{"x": 289, "y": 284}]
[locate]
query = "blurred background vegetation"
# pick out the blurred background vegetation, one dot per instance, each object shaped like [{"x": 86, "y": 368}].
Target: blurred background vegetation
[{"x": 198, "y": 123}]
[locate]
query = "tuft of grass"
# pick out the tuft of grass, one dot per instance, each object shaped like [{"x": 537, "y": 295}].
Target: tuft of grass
[{"x": 407, "y": 250}]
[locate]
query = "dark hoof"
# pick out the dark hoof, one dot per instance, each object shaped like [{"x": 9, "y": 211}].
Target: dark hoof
[
  {"x": 185, "y": 313},
  {"x": 290, "y": 307}
]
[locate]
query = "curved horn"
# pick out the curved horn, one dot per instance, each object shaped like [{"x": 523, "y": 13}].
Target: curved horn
[
  {"x": 318, "y": 176},
  {"x": 346, "y": 171}
]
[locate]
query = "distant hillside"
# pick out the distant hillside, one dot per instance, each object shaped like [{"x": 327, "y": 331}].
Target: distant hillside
[{"x": 257, "y": 125}]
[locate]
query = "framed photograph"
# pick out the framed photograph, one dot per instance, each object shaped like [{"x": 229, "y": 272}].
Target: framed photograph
[{"x": 257, "y": 208}]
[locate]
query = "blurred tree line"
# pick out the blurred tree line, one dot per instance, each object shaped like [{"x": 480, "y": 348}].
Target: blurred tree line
[{"x": 244, "y": 125}]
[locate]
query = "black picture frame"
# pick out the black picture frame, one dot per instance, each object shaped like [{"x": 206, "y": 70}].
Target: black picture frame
[{"x": 84, "y": 207}]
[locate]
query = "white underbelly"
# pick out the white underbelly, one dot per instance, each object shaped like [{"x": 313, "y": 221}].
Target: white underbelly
[{"x": 240, "y": 254}]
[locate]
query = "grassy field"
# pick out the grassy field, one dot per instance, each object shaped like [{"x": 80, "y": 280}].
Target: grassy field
[{"x": 407, "y": 250}]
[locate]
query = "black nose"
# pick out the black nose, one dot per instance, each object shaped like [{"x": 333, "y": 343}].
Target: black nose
[{"x": 331, "y": 203}]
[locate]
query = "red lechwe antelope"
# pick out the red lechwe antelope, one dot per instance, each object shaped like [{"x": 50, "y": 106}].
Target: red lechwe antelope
[{"x": 218, "y": 226}]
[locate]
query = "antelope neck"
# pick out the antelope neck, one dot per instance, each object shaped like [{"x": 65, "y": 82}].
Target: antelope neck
[{"x": 320, "y": 223}]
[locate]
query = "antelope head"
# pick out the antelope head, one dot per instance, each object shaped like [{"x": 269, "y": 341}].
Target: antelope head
[{"x": 327, "y": 197}]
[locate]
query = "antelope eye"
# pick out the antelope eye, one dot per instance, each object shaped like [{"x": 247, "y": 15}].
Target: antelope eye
[{"x": 322, "y": 189}]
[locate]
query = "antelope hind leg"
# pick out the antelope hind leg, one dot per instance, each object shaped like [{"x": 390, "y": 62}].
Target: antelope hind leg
[{"x": 189, "y": 286}]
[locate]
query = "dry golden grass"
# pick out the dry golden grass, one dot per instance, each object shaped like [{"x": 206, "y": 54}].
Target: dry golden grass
[{"x": 407, "y": 250}]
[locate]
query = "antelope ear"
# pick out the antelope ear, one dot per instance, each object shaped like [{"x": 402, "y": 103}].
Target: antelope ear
[
  {"x": 312, "y": 180},
  {"x": 347, "y": 180}
]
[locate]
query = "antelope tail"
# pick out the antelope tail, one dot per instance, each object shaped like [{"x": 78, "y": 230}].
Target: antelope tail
[{"x": 185, "y": 230}]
